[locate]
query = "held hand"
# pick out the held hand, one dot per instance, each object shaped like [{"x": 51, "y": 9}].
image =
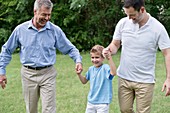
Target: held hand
[
  {"x": 166, "y": 86},
  {"x": 105, "y": 52},
  {"x": 3, "y": 81},
  {"x": 108, "y": 56},
  {"x": 78, "y": 68}
]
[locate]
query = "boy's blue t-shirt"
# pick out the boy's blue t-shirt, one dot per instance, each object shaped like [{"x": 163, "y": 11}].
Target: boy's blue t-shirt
[{"x": 100, "y": 84}]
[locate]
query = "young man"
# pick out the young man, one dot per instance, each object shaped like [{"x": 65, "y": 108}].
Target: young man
[
  {"x": 140, "y": 35},
  {"x": 38, "y": 40}
]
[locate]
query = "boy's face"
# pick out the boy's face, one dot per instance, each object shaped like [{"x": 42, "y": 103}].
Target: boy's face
[{"x": 96, "y": 59}]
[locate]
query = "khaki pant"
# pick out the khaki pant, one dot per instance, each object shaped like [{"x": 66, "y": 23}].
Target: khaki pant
[
  {"x": 128, "y": 91},
  {"x": 36, "y": 84}
]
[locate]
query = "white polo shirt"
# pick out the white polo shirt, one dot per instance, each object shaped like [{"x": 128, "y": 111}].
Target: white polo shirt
[{"x": 139, "y": 47}]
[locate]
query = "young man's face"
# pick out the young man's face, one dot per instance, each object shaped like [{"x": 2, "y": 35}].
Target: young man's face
[
  {"x": 134, "y": 15},
  {"x": 96, "y": 59},
  {"x": 42, "y": 16}
]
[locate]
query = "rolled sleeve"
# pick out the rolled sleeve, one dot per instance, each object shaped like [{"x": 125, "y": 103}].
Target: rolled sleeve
[{"x": 2, "y": 71}]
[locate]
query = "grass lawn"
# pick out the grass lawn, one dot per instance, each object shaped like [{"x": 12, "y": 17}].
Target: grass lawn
[{"x": 71, "y": 94}]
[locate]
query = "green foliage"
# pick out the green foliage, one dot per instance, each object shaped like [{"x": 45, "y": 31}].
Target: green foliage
[
  {"x": 164, "y": 16},
  {"x": 85, "y": 22},
  {"x": 160, "y": 9},
  {"x": 77, "y": 4},
  {"x": 92, "y": 22},
  {"x": 13, "y": 13},
  {"x": 3, "y": 35}
]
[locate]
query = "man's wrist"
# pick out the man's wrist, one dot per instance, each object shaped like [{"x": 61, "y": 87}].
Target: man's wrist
[{"x": 2, "y": 72}]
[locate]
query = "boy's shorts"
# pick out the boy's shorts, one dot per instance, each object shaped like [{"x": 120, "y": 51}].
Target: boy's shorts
[{"x": 97, "y": 108}]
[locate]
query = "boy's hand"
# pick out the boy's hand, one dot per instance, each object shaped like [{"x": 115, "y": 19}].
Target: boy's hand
[
  {"x": 106, "y": 53},
  {"x": 78, "y": 68}
]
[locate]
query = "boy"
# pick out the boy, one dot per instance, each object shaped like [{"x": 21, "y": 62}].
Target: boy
[{"x": 100, "y": 76}]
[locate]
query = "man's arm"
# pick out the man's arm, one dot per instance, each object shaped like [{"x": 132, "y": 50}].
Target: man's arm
[
  {"x": 113, "y": 47},
  {"x": 6, "y": 55},
  {"x": 166, "y": 85}
]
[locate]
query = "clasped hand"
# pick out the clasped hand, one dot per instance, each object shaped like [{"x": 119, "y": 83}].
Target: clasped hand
[{"x": 106, "y": 53}]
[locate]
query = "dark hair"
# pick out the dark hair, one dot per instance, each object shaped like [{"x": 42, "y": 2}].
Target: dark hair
[{"x": 136, "y": 4}]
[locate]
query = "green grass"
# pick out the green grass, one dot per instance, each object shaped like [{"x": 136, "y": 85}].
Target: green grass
[{"x": 71, "y": 94}]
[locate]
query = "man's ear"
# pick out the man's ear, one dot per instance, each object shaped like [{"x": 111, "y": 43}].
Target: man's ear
[
  {"x": 142, "y": 9},
  {"x": 35, "y": 11}
]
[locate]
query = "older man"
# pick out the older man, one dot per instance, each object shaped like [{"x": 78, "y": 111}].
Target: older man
[{"x": 38, "y": 40}]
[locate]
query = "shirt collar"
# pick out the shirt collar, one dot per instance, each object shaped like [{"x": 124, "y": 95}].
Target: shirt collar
[
  {"x": 30, "y": 25},
  {"x": 149, "y": 20}
]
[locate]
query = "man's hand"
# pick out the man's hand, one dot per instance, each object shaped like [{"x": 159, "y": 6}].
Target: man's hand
[
  {"x": 79, "y": 67},
  {"x": 108, "y": 55},
  {"x": 106, "y": 52},
  {"x": 3, "y": 81},
  {"x": 166, "y": 86}
]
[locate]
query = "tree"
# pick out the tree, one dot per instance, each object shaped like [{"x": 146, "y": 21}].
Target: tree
[
  {"x": 13, "y": 13},
  {"x": 85, "y": 22}
]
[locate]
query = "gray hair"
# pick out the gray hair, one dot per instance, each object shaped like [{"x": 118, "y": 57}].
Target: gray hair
[{"x": 47, "y": 3}]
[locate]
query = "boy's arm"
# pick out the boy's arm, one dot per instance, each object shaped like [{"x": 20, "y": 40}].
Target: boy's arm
[
  {"x": 111, "y": 64},
  {"x": 82, "y": 78}
]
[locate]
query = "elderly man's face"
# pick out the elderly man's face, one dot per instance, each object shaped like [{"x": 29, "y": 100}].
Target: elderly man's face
[{"x": 42, "y": 16}]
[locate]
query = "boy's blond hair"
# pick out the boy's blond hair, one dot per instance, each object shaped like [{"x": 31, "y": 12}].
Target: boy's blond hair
[{"x": 97, "y": 49}]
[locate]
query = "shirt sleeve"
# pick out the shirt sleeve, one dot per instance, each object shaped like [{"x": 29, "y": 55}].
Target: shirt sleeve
[
  {"x": 66, "y": 47},
  {"x": 7, "y": 50},
  {"x": 164, "y": 41},
  {"x": 117, "y": 32},
  {"x": 108, "y": 75}
]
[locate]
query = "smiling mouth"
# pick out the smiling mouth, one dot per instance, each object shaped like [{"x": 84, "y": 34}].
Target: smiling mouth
[{"x": 43, "y": 21}]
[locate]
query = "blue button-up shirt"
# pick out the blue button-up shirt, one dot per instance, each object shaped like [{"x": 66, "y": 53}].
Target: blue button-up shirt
[{"x": 37, "y": 47}]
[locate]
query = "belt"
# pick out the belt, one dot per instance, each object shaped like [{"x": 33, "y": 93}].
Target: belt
[{"x": 37, "y": 68}]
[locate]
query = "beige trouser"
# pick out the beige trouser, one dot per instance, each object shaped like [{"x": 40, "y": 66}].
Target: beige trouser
[
  {"x": 39, "y": 83},
  {"x": 128, "y": 91}
]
